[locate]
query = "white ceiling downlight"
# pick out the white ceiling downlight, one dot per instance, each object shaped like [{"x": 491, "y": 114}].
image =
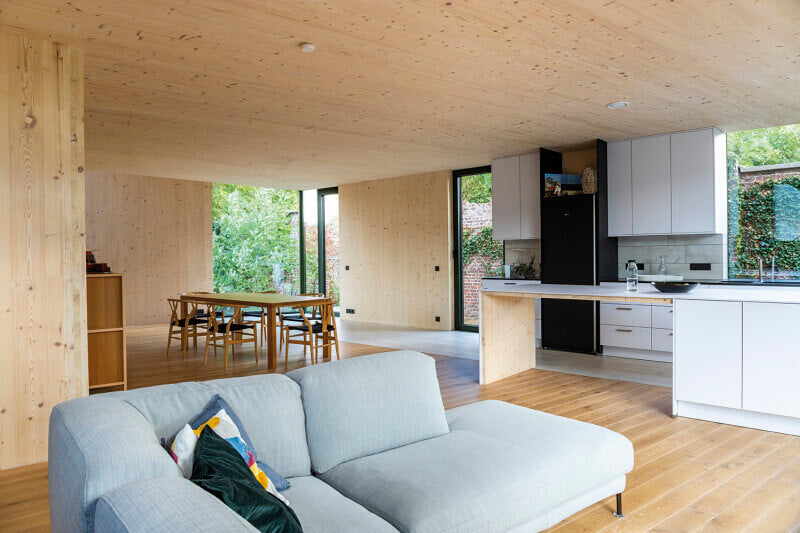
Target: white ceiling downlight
[
  {"x": 307, "y": 47},
  {"x": 617, "y": 105}
]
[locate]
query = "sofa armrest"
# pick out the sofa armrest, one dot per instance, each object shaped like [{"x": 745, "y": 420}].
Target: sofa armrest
[
  {"x": 165, "y": 504},
  {"x": 97, "y": 444}
]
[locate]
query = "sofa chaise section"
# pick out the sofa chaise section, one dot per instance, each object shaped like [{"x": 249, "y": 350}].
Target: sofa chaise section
[{"x": 494, "y": 467}]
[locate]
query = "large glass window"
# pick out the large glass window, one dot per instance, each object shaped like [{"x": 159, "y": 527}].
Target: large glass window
[
  {"x": 256, "y": 239},
  {"x": 311, "y": 241},
  {"x": 764, "y": 202},
  {"x": 478, "y": 255}
]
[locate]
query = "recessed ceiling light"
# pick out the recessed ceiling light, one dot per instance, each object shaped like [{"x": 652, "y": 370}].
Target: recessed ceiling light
[
  {"x": 617, "y": 105},
  {"x": 307, "y": 47}
]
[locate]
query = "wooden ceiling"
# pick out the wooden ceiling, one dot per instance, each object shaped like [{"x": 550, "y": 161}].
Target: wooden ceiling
[{"x": 218, "y": 90}]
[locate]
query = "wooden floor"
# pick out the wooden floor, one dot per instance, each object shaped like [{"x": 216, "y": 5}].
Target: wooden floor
[{"x": 689, "y": 475}]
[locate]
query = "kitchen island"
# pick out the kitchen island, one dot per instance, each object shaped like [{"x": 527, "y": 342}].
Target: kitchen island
[{"x": 736, "y": 349}]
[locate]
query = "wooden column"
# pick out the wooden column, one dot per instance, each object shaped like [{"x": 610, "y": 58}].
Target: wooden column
[
  {"x": 43, "y": 357},
  {"x": 508, "y": 336}
]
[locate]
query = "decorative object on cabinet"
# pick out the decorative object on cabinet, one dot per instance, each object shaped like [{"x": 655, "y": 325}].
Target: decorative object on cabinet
[
  {"x": 93, "y": 266},
  {"x": 589, "y": 181},
  {"x": 105, "y": 319},
  {"x": 562, "y": 184}
]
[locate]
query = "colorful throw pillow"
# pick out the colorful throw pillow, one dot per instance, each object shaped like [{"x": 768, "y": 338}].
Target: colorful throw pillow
[
  {"x": 218, "y": 468},
  {"x": 185, "y": 443},
  {"x": 217, "y": 403}
]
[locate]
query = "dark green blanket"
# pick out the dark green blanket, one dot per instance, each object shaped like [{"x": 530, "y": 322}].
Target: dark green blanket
[{"x": 219, "y": 469}]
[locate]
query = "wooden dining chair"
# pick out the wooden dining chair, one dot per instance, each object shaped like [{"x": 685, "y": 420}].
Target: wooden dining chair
[
  {"x": 259, "y": 316},
  {"x": 200, "y": 313},
  {"x": 186, "y": 326},
  {"x": 285, "y": 319},
  {"x": 317, "y": 333},
  {"x": 225, "y": 334}
]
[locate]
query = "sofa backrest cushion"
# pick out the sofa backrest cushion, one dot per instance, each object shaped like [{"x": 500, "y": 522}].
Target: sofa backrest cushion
[
  {"x": 268, "y": 405},
  {"x": 369, "y": 404},
  {"x": 106, "y": 441}
]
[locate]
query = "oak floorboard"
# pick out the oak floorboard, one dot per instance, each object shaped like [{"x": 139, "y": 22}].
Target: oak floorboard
[{"x": 688, "y": 474}]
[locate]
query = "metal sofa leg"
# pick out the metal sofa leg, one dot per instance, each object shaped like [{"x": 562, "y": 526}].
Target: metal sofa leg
[{"x": 618, "y": 512}]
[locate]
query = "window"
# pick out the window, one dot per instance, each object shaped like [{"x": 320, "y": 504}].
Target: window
[
  {"x": 764, "y": 202},
  {"x": 256, "y": 239}
]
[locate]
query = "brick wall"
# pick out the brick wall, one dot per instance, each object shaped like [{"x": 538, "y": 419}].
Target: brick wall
[
  {"x": 475, "y": 216},
  {"x": 751, "y": 175}
]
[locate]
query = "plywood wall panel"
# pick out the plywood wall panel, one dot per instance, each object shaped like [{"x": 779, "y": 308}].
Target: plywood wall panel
[
  {"x": 157, "y": 232},
  {"x": 42, "y": 300},
  {"x": 394, "y": 232}
]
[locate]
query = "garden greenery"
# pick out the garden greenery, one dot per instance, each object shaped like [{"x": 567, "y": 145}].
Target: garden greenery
[{"x": 255, "y": 233}]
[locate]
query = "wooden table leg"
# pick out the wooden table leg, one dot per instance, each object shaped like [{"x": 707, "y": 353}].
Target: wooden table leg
[
  {"x": 272, "y": 348},
  {"x": 326, "y": 349}
]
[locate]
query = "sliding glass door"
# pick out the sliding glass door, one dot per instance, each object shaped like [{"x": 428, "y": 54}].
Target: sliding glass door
[{"x": 477, "y": 255}]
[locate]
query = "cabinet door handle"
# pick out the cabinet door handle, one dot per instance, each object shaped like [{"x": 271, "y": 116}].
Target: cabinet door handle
[
  {"x": 624, "y": 308},
  {"x": 624, "y": 330},
  {"x": 509, "y": 283},
  {"x": 670, "y": 334}
]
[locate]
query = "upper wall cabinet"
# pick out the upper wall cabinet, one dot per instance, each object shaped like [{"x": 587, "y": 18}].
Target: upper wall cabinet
[
  {"x": 516, "y": 198},
  {"x": 667, "y": 184},
  {"x": 650, "y": 177},
  {"x": 620, "y": 202}
]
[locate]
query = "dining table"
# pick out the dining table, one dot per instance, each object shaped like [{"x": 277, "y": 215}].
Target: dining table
[{"x": 270, "y": 302}]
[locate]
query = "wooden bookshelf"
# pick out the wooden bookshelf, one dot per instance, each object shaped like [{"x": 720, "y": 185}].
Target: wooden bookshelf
[{"x": 106, "y": 327}]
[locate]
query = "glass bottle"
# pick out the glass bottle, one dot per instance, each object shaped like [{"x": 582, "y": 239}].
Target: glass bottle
[
  {"x": 633, "y": 276},
  {"x": 662, "y": 265}
]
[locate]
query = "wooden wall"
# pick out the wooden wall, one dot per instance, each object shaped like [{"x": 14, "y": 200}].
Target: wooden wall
[
  {"x": 394, "y": 232},
  {"x": 43, "y": 359},
  {"x": 155, "y": 231}
]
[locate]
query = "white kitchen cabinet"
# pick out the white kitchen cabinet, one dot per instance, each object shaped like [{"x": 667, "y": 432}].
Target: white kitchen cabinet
[
  {"x": 698, "y": 171},
  {"x": 530, "y": 195},
  {"x": 620, "y": 203},
  {"x": 505, "y": 198},
  {"x": 708, "y": 352},
  {"x": 661, "y": 339},
  {"x": 662, "y": 316},
  {"x": 624, "y": 314},
  {"x": 632, "y": 337},
  {"x": 650, "y": 185},
  {"x": 516, "y": 198},
  {"x": 771, "y": 358}
]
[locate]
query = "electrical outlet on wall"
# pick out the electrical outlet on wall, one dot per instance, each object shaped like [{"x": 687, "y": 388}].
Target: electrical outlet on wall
[
  {"x": 699, "y": 266},
  {"x": 438, "y": 319},
  {"x": 350, "y": 311}
]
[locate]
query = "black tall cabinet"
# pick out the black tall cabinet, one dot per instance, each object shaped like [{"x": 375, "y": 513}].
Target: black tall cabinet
[{"x": 576, "y": 250}]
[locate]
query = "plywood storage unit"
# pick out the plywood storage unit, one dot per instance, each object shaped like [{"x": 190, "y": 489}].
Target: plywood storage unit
[
  {"x": 155, "y": 231},
  {"x": 106, "y": 323},
  {"x": 394, "y": 233}
]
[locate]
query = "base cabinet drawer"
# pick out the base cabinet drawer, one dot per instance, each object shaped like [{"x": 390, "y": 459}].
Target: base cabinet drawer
[
  {"x": 662, "y": 316},
  {"x": 624, "y": 314},
  {"x": 625, "y": 336},
  {"x": 661, "y": 339}
]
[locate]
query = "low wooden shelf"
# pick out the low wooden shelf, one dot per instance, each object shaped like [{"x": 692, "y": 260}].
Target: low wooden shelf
[{"x": 106, "y": 328}]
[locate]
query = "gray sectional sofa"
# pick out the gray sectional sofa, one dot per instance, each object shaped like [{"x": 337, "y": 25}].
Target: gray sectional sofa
[{"x": 365, "y": 443}]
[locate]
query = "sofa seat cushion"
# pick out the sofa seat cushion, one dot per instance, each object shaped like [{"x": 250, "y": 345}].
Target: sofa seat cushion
[
  {"x": 322, "y": 509},
  {"x": 368, "y": 404},
  {"x": 507, "y": 467}
]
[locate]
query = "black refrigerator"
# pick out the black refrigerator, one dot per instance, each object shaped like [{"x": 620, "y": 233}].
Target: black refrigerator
[{"x": 576, "y": 250}]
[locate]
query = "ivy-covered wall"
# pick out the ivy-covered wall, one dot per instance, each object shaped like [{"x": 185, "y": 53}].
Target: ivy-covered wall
[{"x": 769, "y": 225}]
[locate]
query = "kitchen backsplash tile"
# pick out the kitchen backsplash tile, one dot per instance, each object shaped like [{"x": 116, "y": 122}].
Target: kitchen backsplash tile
[{"x": 679, "y": 251}]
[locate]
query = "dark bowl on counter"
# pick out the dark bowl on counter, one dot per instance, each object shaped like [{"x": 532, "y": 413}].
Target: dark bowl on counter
[{"x": 674, "y": 286}]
